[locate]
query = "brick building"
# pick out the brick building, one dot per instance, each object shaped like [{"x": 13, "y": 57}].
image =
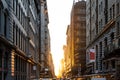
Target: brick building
[{"x": 76, "y": 40}]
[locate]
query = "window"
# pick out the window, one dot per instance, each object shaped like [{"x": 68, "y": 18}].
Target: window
[
  {"x": 101, "y": 6},
  {"x": 96, "y": 57},
  {"x": 106, "y": 17},
  {"x": 18, "y": 12},
  {"x": 105, "y": 46},
  {"x": 107, "y": 65},
  {"x": 113, "y": 64},
  {"x": 24, "y": 21},
  {"x": 100, "y": 55},
  {"x": 25, "y": 25},
  {"x": 20, "y": 66},
  {"x": 99, "y": 9},
  {"x": 96, "y": 29},
  {"x": 118, "y": 7},
  {"x": 105, "y": 42},
  {"x": 99, "y": 26},
  {"x": 21, "y": 19},
  {"x": 113, "y": 11},
  {"x": 106, "y": 11},
  {"x": 14, "y": 32},
  {"x": 112, "y": 36},
  {"x": 110, "y": 13},
  {"x": 6, "y": 60},
  {"x": 0, "y": 58},
  {"x": 20, "y": 15},
  {"x": 16, "y": 8},
  {"x": 24, "y": 43},
  {"x": 101, "y": 23},
  {"x": 0, "y": 75},
  {"x": 100, "y": 49},
  {"x": 13, "y": 5},
  {"x": 118, "y": 28},
  {"x": 5, "y": 24},
  {"x": 20, "y": 40},
  {"x": 0, "y": 19}
]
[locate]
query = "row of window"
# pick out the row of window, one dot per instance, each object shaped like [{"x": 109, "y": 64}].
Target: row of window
[
  {"x": 118, "y": 28},
  {"x": 100, "y": 24},
  {"x": 100, "y": 8},
  {"x": 19, "y": 38},
  {"x": 20, "y": 68},
  {"x": 111, "y": 14},
  {"x": 3, "y": 64},
  {"x": 5, "y": 60},
  {"x": 108, "y": 63},
  {"x": 20, "y": 14},
  {"x": 111, "y": 10},
  {"x": 117, "y": 25},
  {"x": 18, "y": 11},
  {"x": 33, "y": 9},
  {"x": 3, "y": 23},
  {"x": 118, "y": 8},
  {"x": 101, "y": 48},
  {"x": 20, "y": 64},
  {"x": 5, "y": 74},
  {"x": 32, "y": 34}
]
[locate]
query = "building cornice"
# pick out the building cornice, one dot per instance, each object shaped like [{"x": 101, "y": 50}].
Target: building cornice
[{"x": 106, "y": 27}]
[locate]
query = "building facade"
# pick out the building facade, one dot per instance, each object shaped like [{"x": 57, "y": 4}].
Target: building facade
[
  {"x": 67, "y": 56},
  {"x": 46, "y": 69},
  {"x": 51, "y": 71},
  {"x": 102, "y": 27},
  {"x": 20, "y": 39},
  {"x": 76, "y": 40}
]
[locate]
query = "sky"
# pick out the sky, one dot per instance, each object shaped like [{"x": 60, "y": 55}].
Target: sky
[{"x": 59, "y": 18}]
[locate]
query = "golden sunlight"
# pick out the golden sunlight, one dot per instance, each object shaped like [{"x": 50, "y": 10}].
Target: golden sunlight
[{"x": 57, "y": 63}]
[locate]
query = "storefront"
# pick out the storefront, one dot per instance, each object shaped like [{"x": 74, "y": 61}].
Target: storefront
[{"x": 4, "y": 61}]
